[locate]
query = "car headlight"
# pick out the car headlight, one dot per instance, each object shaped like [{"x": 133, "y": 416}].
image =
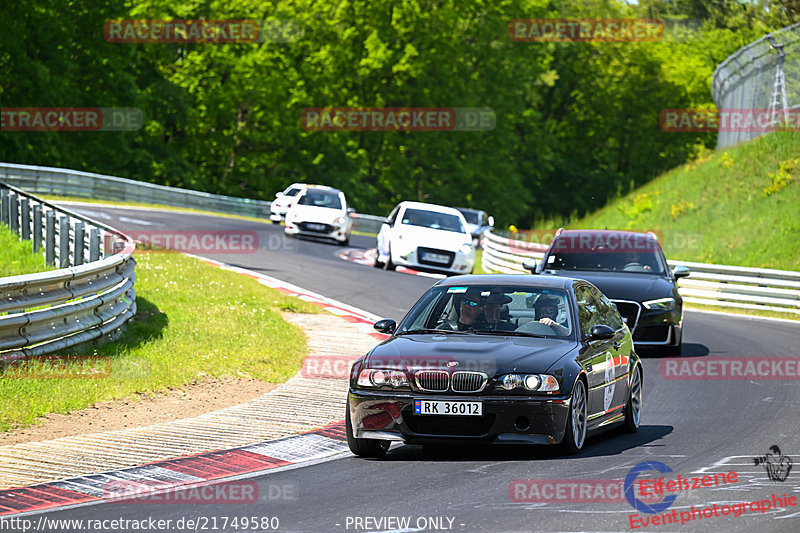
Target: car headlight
[
  {"x": 370, "y": 377},
  {"x": 338, "y": 220},
  {"x": 466, "y": 248},
  {"x": 664, "y": 304},
  {"x": 533, "y": 382}
]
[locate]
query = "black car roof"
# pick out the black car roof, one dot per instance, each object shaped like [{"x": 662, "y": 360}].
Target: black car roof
[{"x": 528, "y": 280}]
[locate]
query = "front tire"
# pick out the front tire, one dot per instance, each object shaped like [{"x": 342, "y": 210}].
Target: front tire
[
  {"x": 575, "y": 435},
  {"x": 633, "y": 409},
  {"x": 363, "y": 447}
]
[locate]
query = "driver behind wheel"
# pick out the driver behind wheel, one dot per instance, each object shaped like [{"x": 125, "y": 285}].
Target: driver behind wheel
[{"x": 546, "y": 312}]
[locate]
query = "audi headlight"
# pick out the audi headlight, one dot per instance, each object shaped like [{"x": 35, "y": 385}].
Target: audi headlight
[
  {"x": 466, "y": 248},
  {"x": 663, "y": 304},
  {"x": 370, "y": 377},
  {"x": 532, "y": 382}
]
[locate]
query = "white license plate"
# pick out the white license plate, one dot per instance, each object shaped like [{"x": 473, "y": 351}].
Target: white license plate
[
  {"x": 438, "y": 407},
  {"x": 435, "y": 258},
  {"x": 316, "y": 226}
]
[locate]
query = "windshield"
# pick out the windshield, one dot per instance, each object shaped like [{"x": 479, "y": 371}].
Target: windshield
[
  {"x": 470, "y": 216},
  {"x": 638, "y": 262},
  {"x": 321, "y": 199},
  {"x": 433, "y": 219},
  {"x": 494, "y": 309}
]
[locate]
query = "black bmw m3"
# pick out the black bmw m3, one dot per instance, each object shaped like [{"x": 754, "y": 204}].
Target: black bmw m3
[{"x": 500, "y": 359}]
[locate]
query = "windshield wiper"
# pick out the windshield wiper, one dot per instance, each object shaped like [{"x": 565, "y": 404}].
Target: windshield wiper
[{"x": 428, "y": 330}]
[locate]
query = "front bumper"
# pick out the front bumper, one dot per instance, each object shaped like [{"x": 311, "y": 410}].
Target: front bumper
[
  {"x": 329, "y": 231},
  {"x": 513, "y": 420},
  {"x": 652, "y": 327},
  {"x": 658, "y": 328},
  {"x": 461, "y": 263}
]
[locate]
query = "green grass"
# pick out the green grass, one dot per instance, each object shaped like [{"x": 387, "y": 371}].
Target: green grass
[
  {"x": 17, "y": 257},
  {"x": 193, "y": 320},
  {"x": 736, "y": 206}
]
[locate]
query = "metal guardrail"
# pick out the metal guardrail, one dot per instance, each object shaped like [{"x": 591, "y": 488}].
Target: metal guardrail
[
  {"x": 65, "y": 182},
  {"x": 719, "y": 285},
  {"x": 90, "y": 296}
]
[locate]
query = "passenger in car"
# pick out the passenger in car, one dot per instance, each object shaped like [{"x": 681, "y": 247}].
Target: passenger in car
[{"x": 495, "y": 311}]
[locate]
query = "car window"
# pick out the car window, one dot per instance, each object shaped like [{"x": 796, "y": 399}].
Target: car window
[
  {"x": 563, "y": 257},
  {"x": 320, "y": 199},
  {"x": 433, "y": 220},
  {"x": 293, "y": 191},
  {"x": 493, "y": 308},
  {"x": 608, "y": 311},
  {"x": 471, "y": 216},
  {"x": 588, "y": 309}
]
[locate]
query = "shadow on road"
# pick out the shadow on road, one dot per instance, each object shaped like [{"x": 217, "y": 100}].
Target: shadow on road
[{"x": 612, "y": 442}]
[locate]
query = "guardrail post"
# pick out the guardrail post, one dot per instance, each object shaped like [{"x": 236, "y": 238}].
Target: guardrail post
[
  {"x": 25, "y": 211},
  {"x": 4, "y": 206},
  {"x": 94, "y": 244},
  {"x": 37, "y": 227},
  {"x": 63, "y": 241},
  {"x": 79, "y": 244},
  {"x": 50, "y": 238},
  {"x": 13, "y": 212}
]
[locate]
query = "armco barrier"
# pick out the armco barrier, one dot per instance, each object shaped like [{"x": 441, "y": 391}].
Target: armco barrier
[
  {"x": 64, "y": 182},
  {"x": 88, "y": 297},
  {"x": 719, "y": 285}
]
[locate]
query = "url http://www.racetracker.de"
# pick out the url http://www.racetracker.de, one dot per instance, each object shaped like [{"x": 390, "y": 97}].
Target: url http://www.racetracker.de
[
  {"x": 46, "y": 524},
  {"x": 638, "y": 521}
]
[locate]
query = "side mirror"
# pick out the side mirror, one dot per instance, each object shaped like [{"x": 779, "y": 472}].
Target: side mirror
[
  {"x": 350, "y": 210},
  {"x": 491, "y": 221},
  {"x": 278, "y": 194},
  {"x": 387, "y": 325},
  {"x": 601, "y": 332},
  {"x": 387, "y": 221},
  {"x": 529, "y": 265},
  {"x": 681, "y": 271}
]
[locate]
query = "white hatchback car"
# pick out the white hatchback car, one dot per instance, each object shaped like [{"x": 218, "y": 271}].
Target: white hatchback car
[
  {"x": 284, "y": 200},
  {"x": 320, "y": 211},
  {"x": 426, "y": 237}
]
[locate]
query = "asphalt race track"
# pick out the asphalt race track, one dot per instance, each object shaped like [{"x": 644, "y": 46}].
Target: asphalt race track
[{"x": 694, "y": 427}]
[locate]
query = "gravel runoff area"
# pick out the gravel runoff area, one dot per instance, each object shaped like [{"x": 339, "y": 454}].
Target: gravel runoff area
[{"x": 313, "y": 398}]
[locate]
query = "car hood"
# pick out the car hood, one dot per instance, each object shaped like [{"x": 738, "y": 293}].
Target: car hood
[
  {"x": 434, "y": 238},
  {"x": 312, "y": 213},
  {"x": 491, "y": 354},
  {"x": 627, "y": 286}
]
